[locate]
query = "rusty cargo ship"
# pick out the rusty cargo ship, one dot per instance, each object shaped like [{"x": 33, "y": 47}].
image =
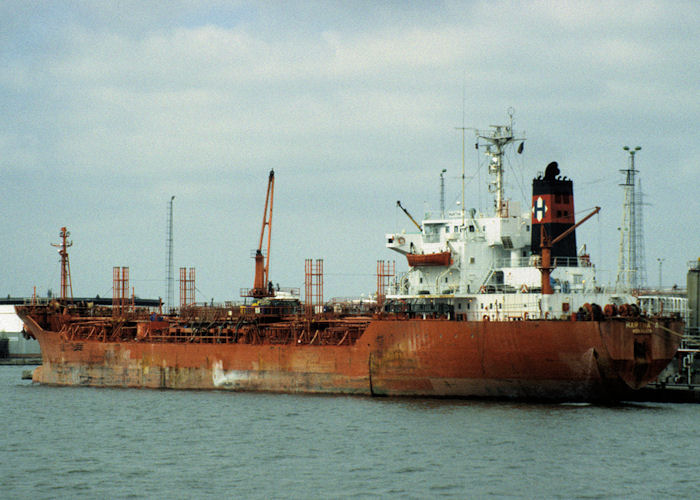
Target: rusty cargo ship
[{"x": 500, "y": 305}]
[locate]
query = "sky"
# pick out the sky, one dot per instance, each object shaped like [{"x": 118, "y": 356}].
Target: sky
[{"x": 111, "y": 108}]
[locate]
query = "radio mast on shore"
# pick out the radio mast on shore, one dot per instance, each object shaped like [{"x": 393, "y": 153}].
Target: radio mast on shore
[{"x": 630, "y": 265}]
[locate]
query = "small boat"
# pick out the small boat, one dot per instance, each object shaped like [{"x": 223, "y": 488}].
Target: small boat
[{"x": 429, "y": 259}]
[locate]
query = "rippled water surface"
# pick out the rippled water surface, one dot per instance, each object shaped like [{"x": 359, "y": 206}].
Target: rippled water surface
[{"x": 129, "y": 443}]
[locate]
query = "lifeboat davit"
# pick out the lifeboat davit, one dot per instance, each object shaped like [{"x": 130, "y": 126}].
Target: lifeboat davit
[{"x": 429, "y": 259}]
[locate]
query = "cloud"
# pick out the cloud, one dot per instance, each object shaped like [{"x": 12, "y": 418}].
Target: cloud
[{"x": 112, "y": 108}]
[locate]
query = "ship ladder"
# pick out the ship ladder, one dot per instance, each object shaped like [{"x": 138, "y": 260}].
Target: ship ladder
[{"x": 485, "y": 282}]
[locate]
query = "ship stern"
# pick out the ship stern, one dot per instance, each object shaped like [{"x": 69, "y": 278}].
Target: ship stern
[{"x": 638, "y": 349}]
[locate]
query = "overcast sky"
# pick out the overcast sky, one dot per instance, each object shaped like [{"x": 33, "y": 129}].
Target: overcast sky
[{"x": 111, "y": 108}]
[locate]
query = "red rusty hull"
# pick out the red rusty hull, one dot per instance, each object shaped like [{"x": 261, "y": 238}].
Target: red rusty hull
[
  {"x": 549, "y": 360},
  {"x": 522, "y": 359}
]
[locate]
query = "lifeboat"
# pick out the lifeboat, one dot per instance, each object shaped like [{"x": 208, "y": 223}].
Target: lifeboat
[{"x": 429, "y": 259}]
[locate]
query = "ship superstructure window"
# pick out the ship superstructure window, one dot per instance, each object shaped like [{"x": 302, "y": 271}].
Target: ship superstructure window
[
  {"x": 471, "y": 229},
  {"x": 432, "y": 232},
  {"x": 472, "y": 260}
]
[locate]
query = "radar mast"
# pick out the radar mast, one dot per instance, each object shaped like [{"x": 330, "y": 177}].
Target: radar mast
[{"x": 496, "y": 141}]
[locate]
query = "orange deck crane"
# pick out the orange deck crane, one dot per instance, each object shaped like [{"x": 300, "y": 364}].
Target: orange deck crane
[
  {"x": 261, "y": 286},
  {"x": 546, "y": 244},
  {"x": 398, "y": 204}
]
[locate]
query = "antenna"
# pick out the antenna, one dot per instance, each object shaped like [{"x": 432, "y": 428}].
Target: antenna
[
  {"x": 442, "y": 192},
  {"x": 464, "y": 98},
  {"x": 462, "y": 128},
  {"x": 169, "y": 258}
]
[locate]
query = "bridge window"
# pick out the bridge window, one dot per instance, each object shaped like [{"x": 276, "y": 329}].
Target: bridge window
[{"x": 432, "y": 232}]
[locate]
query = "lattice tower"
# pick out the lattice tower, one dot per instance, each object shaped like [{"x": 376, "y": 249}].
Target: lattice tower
[
  {"x": 630, "y": 273},
  {"x": 169, "y": 258}
]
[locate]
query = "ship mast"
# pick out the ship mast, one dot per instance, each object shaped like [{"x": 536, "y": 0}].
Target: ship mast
[
  {"x": 169, "y": 258},
  {"x": 462, "y": 128},
  {"x": 496, "y": 140},
  {"x": 66, "y": 284},
  {"x": 442, "y": 192}
]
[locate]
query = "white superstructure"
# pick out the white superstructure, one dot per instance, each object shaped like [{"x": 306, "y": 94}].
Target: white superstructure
[{"x": 492, "y": 272}]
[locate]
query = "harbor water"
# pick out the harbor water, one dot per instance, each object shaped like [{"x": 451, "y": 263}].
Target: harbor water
[{"x": 68, "y": 442}]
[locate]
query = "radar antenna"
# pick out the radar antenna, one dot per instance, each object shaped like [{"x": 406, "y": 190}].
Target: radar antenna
[{"x": 496, "y": 141}]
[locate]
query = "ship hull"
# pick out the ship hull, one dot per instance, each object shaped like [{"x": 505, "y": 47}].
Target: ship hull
[{"x": 534, "y": 360}]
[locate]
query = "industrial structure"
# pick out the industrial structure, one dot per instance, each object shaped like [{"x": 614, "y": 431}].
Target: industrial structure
[
  {"x": 169, "y": 257},
  {"x": 631, "y": 271}
]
